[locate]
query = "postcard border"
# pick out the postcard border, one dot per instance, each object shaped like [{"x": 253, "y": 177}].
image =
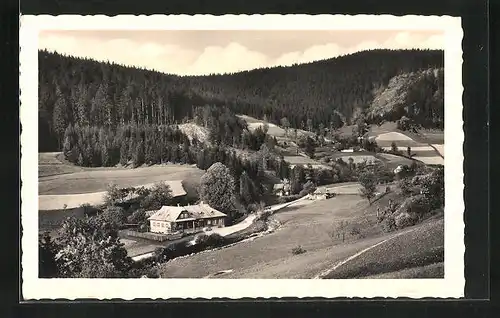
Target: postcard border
[{"x": 451, "y": 286}]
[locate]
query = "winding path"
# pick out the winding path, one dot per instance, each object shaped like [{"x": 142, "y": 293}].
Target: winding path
[{"x": 327, "y": 271}]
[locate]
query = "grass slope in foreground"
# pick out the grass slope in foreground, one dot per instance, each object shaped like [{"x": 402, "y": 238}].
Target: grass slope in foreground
[
  {"x": 419, "y": 253},
  {"x": 309, "y": 226}
]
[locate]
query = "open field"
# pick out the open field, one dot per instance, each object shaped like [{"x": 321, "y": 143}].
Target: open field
[
  {"x": 357, "y": 158},
  {"x": 308, "y": 226},
  {"x": 301, "y": 160},
  {"x": 436, "y": 160},
  {"x": 51, "y": 213},
  {"x": 439, "y": 148},
  {"x": 274, "y": 130},
  {"x": 97, "y": 180},
  {"x": 427, "y": 145},
  {"x": 76, "y": 186},
  {"x": 435, "y": 270},
  {"x": 59, "y": 201},
  {"x": 393, "y": 161},
  {"x": 50, "y": 163},
  {"x": 401, "y": 140}
]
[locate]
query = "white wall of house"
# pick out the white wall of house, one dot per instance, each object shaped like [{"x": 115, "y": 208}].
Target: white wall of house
[
  {"x": 215, "y": 222},
  {"x": 166, "y": 227},
  {"x": 160, "y": 226}
]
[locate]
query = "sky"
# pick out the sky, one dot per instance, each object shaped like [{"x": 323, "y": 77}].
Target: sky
[{"x": 201, "y": 52}]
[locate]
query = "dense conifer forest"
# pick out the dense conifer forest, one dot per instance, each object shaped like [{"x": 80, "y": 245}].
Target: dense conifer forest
[{"x": 85, "y": 92}]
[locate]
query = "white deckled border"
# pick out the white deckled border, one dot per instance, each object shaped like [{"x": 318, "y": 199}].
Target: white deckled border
[{"x": 451, "y": 286}]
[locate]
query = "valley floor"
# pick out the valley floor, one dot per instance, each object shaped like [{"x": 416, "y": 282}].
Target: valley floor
[{"x": 310, "y": 228}]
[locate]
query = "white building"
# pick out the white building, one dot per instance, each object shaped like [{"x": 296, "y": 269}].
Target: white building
[{"x": 171, "y": 219}]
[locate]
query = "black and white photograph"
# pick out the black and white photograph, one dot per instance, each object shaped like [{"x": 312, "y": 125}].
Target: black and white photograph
[{"x": 234, "y": 157}]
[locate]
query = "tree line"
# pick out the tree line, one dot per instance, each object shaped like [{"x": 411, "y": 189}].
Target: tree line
[{"x": 330, "y": 92}]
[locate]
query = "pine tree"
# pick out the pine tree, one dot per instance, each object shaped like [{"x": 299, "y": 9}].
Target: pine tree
[
  {"x": 101, "y": 108},
  {"x": 246, "y": 189},
  {"x": 138, "y": 156},
  {"x": 60, "y": 116}
]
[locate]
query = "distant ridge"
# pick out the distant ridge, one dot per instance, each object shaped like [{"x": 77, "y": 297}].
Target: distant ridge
[{"x": 385, "y": 84}]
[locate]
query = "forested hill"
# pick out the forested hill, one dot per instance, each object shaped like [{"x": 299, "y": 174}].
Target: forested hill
[{"x": 384, "y": 84}]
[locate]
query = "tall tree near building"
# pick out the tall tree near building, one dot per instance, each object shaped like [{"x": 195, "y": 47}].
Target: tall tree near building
[{"x": 217, "y": 188}]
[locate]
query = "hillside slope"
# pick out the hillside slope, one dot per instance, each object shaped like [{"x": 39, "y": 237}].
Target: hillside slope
[{"x": 328, "y": 92}]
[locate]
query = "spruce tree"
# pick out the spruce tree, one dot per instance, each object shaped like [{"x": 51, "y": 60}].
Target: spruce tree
[{"x": 60, "y": 118}]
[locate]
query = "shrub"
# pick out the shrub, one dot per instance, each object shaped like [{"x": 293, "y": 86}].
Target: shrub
[
  {"x": 212, "y": 240},
  {"x": 380, "y": 218},
  {"x": 307, "y": 188},
  {"x": 433, "y": 188},
  {"x": 289, "y": 198},
  {"x": 215, "y": 240},
  {"x": 298, "y": 250},
  {"x": 404, "y": 123},
  {"x": 394, "y": 148},
  {"x": 89, "y": 210},
  {"x": 405, "y": 187},
  {"x": 368, "y": 183},
  {"x": 404, "y": 220},
  {"x": 419, "y": 205},
  {"x": 263, "y": 215},
  {"x": 355, "y": 231},
  {"x": 137, "y": 217},
  {"x": 201, "y": 238},
  {"x": 114, "y": 194},
  {"x": 144, "y": 227},
  {"x": 113, "y": 215},
  {"x": 159, "y": 195},
  {"x": 389, "y": 224}
]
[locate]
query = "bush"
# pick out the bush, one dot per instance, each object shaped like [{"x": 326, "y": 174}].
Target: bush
[
  {"x": 298, "y": 250},
  {"x": 215, "y": 240},
  {"x": 404, "y": 220},
  {"x": 201, "y": 238},
  {"x": 159, "y": 195},
  {"x": 113, "y": 215},
  {"x": 368, "y": 183},
  {"x": 212, "y": 240},
  {"x": 404, "y": 123},
  {"x": 264, "y": 215},
  {"x": 137, "y": 217},
  {"x": 389, "y": 224},
  {"x": 355, "y": 231},
  {"x": 289, "y": 198},
  {"x": 405, "y": 186},
  {"x": 307, "y": 188},
  {"x": 433, "y": 188},
  {"x": 418, "y": 205}
]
